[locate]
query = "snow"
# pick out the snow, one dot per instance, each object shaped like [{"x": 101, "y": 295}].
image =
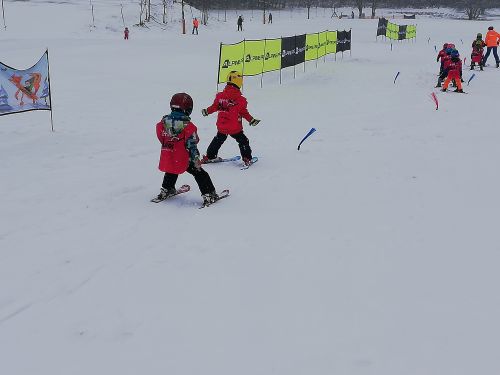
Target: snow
[{"x": 372, "y": 250}]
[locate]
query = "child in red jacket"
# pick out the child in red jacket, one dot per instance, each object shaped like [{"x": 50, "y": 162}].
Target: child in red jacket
[
  {"x": 231, "y": 107},
  {"x": 179, "y": 151},
  {"x": 454, "y": 72},
  {"x": 477, "y": 52},
  {"x": 441, "y": 56}
]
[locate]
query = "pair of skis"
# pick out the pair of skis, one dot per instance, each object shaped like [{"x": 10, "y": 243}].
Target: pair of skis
[
  {"x": 223, "y": 194},
  {"x": 235, "y": 158},
  {"x": 184, "y": 189}
]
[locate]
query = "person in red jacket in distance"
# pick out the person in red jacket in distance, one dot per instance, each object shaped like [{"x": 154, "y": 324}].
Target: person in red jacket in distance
[
  {"x": 231, "y": 107},
  {"x": 179, "y": 151}
]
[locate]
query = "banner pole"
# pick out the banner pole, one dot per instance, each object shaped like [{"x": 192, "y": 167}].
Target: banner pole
[
  {"x": 243, "y": 69},
  {"x": 281, "y": 67},
  {"x": 218, "y": 69},
  {"x": 350, "y": 43},
  {"x": 326, "y": 44},
  {"x": 295, "y": 56},
  {"x": 317, "y": 53},
  {"x": 3, "y": 15},
  {"x": 263, "y": 59},
  {"x": 50, "y": 90}
]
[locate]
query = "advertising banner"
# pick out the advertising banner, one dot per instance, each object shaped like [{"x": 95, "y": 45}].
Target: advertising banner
[{"x": 25, "y": 90}]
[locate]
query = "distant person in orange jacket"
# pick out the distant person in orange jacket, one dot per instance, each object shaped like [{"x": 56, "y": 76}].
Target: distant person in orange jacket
[
  {"x": 195, "y": 26},
  {"x": 492, "y": 39},
  {"x": 125, "y": 33}
]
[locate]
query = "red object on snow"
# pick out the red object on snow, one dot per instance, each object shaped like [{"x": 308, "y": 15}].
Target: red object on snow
[{"x": 435, "y": 99}]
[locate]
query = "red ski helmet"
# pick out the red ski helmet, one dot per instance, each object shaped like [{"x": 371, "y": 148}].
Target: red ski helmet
[{"x": 183, "y": 102}]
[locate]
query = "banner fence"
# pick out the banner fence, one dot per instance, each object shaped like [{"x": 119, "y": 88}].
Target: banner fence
[
  {"x": 256, "y": 57},
  {"x": 395, "y": 32}
]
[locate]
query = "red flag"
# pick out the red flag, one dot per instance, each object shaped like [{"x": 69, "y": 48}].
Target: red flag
[{"x": 435, "y": 99}]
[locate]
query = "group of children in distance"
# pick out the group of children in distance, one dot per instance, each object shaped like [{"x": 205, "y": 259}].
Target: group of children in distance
[
  {"x": 451, "y": 64},
  {"x": 179, "y": 139}
]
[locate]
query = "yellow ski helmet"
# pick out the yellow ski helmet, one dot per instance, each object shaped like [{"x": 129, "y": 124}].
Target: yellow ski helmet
[{"x": 235, "y": 78}]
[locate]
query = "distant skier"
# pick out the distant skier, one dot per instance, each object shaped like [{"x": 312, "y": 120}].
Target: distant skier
[
  {"x": 231, "y": 107},
  {"x": 445, "y": 60},
  {"x": 270, "y": 18},
  {"x": 196, "y": 23},
  {"x": 454, "y": 72},
  {"x": 492, "y": 40},
  {"x": 125, "y": 33},
  {"x": 179, "y": 151},
  {"x": 441, "y": 56},
  {"x": 240, "y": 23},
  {"x": 477, "y": 52}
]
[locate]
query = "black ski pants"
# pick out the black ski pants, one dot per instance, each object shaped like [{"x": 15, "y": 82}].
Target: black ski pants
[
  {"x": 200, "y": 175},
  {"x": 219, "y": 139}
]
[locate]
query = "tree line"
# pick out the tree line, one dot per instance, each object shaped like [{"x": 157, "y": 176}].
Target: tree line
[{"x": 472, "y": 8}]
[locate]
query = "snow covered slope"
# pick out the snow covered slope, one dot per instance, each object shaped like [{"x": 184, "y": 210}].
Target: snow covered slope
[{"x": 373, "y": 250}]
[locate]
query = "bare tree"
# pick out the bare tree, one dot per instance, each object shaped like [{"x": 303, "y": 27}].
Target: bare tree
[
  {"x": 473, "y": 8},
  {"x": 183, "y": 19},
  {"x": 359, "y": 5},
  {"x": 374, "y": 7}
]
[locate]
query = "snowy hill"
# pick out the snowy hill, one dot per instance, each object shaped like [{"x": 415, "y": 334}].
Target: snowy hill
[{"x": 372, "y": 250}]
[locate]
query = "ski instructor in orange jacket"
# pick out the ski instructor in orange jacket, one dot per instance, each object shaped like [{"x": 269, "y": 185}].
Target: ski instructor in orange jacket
[{"x": 492, "y": 39}]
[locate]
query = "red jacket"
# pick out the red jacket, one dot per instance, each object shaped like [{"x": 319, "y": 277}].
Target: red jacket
[
  {"x": 174, "y": 156},
  {"x": 232, "y": 107},
  {"x": 441, "y": 55}
]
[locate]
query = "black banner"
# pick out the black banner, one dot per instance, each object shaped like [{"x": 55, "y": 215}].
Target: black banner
[
  {"x": 402, "y": 32},
  {"x": 300, "y": 45},
  {"x": 287, "y": 52},
  {"x": 293, "y": 50},
  {"x": 412, "y": 17},
  {"x": 343, "y": 41},
  {"x": 382, "y": 26}
]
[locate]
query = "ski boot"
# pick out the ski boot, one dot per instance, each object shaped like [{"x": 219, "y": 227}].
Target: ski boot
[
  {"x": 209, "y": 198},
  {"x": 205, "y": 159},
  {"x": 166, "y": 193},
  {"x": 247, "y": 161}
]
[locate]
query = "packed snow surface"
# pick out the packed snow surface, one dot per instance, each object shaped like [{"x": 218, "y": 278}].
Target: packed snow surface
[{"x": 372, "y": 250}]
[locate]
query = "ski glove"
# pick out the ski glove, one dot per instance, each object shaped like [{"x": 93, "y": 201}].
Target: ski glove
[
  {"x": 253, "y": 122},
  {"x": 204, "y": 112}
]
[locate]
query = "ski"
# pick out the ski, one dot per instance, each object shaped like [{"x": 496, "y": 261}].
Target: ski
[
  {"x": 181, "y": 190},
  {"x": 222, "y": 160},
  {"x": 223, "y": 194},
  {"x": 252, "y": 161}
]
